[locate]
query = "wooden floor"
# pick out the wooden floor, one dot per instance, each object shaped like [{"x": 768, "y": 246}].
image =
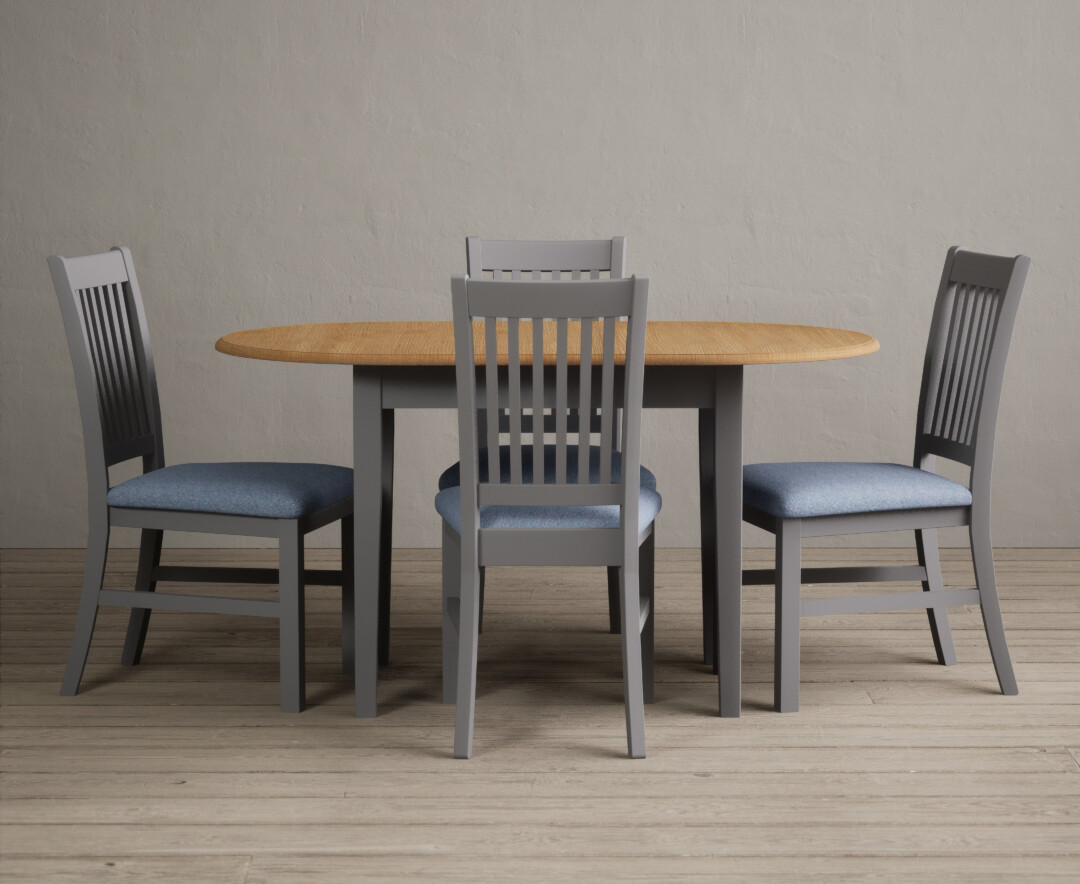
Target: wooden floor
[{"x": 182, "y": 769}]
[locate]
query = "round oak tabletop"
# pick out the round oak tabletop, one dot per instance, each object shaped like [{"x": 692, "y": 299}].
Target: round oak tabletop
[{"x": 432, "y": 343}]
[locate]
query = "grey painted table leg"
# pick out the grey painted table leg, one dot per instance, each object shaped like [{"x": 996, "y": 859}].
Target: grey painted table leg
[
  {"x": 707, "y": 502},
  {"x": 728, "y": 484},
  {"x": 386, "y": 521},
  {"x": 368, "y": 514}
]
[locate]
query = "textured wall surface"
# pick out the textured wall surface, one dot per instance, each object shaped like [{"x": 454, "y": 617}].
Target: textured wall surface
[{"x": 280, "y": 162}]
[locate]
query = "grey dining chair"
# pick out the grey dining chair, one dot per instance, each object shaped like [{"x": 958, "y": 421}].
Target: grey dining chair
[
  {"x": 118, "y": 398},
  {"x": 958, "y": 406},
  {"x": 557, "y": 260},
  {"x": 566, "y": 513}
]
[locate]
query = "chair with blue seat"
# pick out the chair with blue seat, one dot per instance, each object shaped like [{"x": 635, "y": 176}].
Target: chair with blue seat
[
  {"x": 556, "y": 260},
  {"x": 576, "y": 511},
  {"x": 958, "y": 406},
  {"x": 117, "y": 388}
]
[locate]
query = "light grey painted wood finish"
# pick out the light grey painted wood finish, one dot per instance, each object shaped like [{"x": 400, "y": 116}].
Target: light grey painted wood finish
[
  {"x": 110, "y": 350},
  {"x": 595, "y": 302},
  {"x": 957, "y": 417}
]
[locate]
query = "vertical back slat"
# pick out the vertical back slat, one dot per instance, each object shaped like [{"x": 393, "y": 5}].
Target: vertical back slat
[
  {"x": 607, "y": 400},
  {"x": 117, "y": 347},
  {"x": 112, "y": 387},
  {"x": 513, "y": 362},
  {"x": 561, "y": 335},
  {"x": 584, "y": 409},
  {"x": 82, "y": 300},
  {"x": 965, "y": 295},
  {"x": 136, "y": 387},
  {"x": 954, "y": 358},
  {"x": 106, "y": 382},
  {"x": 538, "y": 399},
  {"x": 949, "y": 350},
  {"x": 491, "y": 385},
  {"x": 985, "y": 344},
  {"x": 979, "y": 298}
]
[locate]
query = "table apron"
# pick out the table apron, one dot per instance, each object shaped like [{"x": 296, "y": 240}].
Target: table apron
[{"x": 434, "y": 386}]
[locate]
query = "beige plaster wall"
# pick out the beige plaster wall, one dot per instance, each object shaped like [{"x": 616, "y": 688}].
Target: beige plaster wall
[{"x": 280, "y": 162}]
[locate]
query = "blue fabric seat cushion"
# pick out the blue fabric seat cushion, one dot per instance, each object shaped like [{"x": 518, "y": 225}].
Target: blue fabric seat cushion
[
  {"x": 448, "y": 504},
  {"x": 270, "y": 490},
  {"x": 451, "y": 476},
  {"x": 805, "y": 490}
]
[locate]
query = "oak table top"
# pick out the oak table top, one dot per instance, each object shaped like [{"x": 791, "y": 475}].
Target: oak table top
[{"x": 432, "y": 343}]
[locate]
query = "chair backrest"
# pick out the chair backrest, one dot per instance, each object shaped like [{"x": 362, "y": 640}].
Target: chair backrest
[
  {"x": 965, "y": 359},
  {"x": 532, "y": 329},
  {"x": 541, "y": 259},
  {"x": 556, "y": 260},
  {"x": 114, "y": 368}
]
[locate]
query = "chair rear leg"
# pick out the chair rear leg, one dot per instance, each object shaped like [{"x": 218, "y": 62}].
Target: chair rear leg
[
  {"x": 480, "y": 613},
  {"x": 468, "y": 638},
  {"x": 647, "y": 575},
  {"x": 149, "y": 559},
  {"x": 451, "y": 612},
  {"x": 982, "y": 556},
  {"x": 97, "y": 549},
  {"x": 348, "y": 599},
  {"x": 788, "y": 579},
  {"x": 927, "y": 546},
  {"x": 291, "y": 624},
  {"x": 613, "y": 599},
  {"x": 633, "y": 693}
]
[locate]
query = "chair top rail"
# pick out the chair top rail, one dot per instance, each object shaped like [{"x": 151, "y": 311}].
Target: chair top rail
[{"x": 545, "y": 255}]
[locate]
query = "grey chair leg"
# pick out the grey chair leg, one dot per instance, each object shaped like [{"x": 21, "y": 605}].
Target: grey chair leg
[
  {"x": 149, "y": 559},
  {"x": 982, "y": 556},
  {"x": 97, "y": 549},
  {"x": 291, "y": 625},
  {"x": 633, "y": 694},
  {"x": 613, "y": 598},
  {"x": 480, "y": 614},
  {"x": 468, "y": 638},
  {"x": 451, "y": 612},
  {"x": 927, "y": 546},
  {"x": 788, "y": 579},
  {"x": 647, "y": 575},
  {"x": 348, "y": 610}
]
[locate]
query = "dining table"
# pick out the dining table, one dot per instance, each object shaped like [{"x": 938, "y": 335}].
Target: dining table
[{"x": 688, "y": 365}]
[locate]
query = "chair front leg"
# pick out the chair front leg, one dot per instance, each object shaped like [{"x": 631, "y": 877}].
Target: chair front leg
[
  {"x": 149, "y": 559},
  {"x": 97, "y": 549},
  {"x": 788, "y": 579},
  {"x": 647, "y": 576},
  {"x": 982, "y": 556},
  {"x": 468, "y": 639},
  {"x": 927, "y": 546},
  {"x": 633, "y": 693},
  {"x": 451, "y": 611},
  {"x": 291, "y": 624}
]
